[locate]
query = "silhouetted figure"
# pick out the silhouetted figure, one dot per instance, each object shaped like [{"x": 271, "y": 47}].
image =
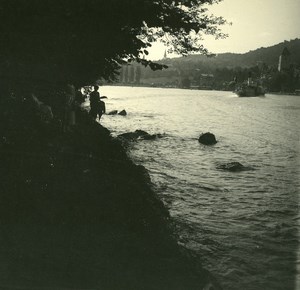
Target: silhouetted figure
[
  {"x": 97, "y": 106},
  {"x": 94, "y": 101}
]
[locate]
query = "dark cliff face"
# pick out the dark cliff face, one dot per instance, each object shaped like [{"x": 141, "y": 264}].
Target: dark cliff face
[{"x": 76, "y": 212}]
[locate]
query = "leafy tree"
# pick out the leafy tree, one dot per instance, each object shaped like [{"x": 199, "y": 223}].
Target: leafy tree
[{"x": 80, "y": 41}]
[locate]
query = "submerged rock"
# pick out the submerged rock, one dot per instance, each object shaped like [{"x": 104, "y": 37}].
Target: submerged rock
[
  {"x": 116, "y": 112},
  {"x": 139, "y": 134},
  {"x": 151, "y": 136},
  {"x": 207, "y": 139},
  {"x": 122, "y": 113},
  {"x": 233, "y": 167},
  {"x": 128, "y": 136}
]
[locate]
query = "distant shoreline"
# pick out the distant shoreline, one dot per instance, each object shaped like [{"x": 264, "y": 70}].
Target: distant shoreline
[{"x": 297, "y": 93}]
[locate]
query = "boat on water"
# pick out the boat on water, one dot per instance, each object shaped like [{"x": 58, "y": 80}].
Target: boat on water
[
  {"x": 250, "y": 88},
  {"x": 250, "y": 91}
]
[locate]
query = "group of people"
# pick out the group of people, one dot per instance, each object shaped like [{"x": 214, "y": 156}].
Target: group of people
[{"x": 97, "y": 105}]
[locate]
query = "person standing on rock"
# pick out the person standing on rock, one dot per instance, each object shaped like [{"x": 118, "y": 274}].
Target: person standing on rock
[{"x": 97, "y": 106}]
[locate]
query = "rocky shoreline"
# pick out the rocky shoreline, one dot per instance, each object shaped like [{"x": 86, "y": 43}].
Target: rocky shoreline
[{"x": 77, "y": 213}]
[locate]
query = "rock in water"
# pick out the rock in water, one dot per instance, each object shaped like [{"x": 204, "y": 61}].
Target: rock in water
[
  {"x": 139, "y": 135},
  {"x": 123, "y": 113},
  {"x": 233, "y": 167},
  {"x": 128, "y": 136},
  {"x": 134, "y": 135},
  {"x": 148, "y": 137},
  {"x": 114, "y": 112},
  {"x": 207, "y": 139}
]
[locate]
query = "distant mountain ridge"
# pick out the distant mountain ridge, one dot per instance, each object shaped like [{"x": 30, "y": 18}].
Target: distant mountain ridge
[
  {"x": 223, "y": 70},
  {"x": 267, "y": 55}
]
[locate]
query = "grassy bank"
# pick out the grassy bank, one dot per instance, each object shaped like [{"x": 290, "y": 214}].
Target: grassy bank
[{"x": 75, "y": 212}]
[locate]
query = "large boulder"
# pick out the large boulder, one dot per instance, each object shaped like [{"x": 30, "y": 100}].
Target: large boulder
[
  {"x": 233, "y": 167},
  {"x": 207, "y": 139}
]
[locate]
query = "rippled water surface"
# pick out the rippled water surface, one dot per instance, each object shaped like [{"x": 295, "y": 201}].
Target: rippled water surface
[{"x": 244, "y": 225}]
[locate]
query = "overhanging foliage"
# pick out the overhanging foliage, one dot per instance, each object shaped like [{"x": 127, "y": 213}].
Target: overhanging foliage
[{"x": 79, "y": 41}]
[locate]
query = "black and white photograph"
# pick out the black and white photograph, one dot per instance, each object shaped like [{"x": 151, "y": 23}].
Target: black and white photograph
[{"x": 149, "y": 145}]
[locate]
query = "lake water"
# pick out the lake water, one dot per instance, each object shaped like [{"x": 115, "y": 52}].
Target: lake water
[{"x": 244, "y": 225}]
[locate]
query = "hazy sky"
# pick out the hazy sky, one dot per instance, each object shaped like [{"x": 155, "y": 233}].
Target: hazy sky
[{"x": 255, "y": 23}]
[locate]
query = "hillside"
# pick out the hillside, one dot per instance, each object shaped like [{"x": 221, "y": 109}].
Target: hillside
[
  {"x": 268, "y": 55},
  {"x": 219, "y": 72}
]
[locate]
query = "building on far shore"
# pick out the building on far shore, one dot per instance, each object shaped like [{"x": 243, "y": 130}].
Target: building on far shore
[
  {"x": 165, "y": 55},
  {"x": 284, "y": 60}
]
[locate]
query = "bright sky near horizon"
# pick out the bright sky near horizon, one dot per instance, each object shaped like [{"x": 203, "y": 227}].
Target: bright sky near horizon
[{"x": 255, "y": 24}]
